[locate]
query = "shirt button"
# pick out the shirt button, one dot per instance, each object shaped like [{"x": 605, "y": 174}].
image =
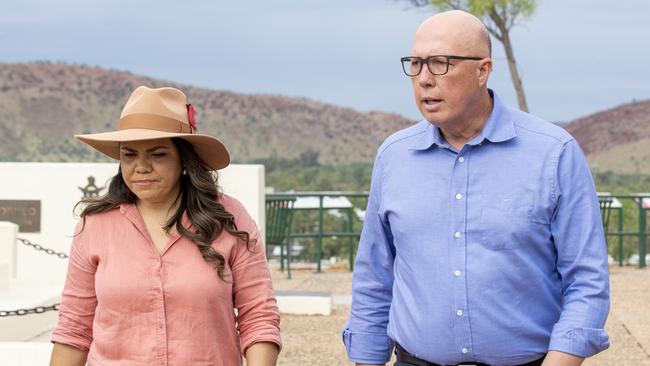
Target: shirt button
[
  {"x": 457, "y": 273},
  {"x": 459, "y": 196},
  {"x": 461, "y": 159},
  {"x": 464, "y": 350},
  {"x": 457, "y": 234},
  {"x": 459, "y": 312}
]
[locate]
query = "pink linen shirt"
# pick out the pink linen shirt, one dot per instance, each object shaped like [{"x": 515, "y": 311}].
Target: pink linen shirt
[{"x": 127, "y": 304}]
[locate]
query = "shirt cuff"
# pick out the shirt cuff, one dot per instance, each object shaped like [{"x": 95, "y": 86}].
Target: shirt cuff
[
  {"x": 72, "y": 337},
  {"x": 581, "y": 342},
  {"x": 270, "y": 337},
  {"x": 368, "y": 348}
]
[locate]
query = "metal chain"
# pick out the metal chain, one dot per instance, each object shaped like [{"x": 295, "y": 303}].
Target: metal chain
[
  {"x": 36, "y": 310},
  {"x": 41, "y": 248}
]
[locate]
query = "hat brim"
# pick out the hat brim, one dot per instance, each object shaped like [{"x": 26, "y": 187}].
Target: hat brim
[{"x": 210, "y": 149}]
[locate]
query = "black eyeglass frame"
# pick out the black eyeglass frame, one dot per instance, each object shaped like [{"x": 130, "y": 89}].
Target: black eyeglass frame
[{"x": 425, "y": 60}]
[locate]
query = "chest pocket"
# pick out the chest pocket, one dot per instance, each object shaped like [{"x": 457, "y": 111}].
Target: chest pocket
[{"x": 505, "y": 220}]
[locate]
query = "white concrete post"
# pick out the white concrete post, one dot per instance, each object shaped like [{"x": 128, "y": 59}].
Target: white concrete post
[
  {"x": 8, "y": 232},
  {"x": 4, "y": 277}
]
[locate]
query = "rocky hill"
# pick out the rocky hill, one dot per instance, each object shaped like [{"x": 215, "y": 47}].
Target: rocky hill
[
  {"x": 617, "y": 139},
  {"x": 42, "y": 105}
]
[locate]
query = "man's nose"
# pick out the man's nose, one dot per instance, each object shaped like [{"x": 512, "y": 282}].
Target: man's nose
[{"x": 426, "y": 78}]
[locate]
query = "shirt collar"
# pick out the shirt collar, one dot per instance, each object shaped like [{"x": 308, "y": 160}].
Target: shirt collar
[
  {"x": 430, "y": 136},
  {"x": 130, "y": 211},
  {"x": 498, "y": 128},
  {"x": 132, "y": 214}
]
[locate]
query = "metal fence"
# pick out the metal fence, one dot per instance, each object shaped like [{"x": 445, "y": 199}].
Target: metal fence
[
  {"x": 350, "y": 231},
  {"x": 634, "y": 202},
  {"x": 616, "y": 226}
]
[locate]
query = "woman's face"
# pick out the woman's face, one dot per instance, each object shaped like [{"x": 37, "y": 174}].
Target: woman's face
[{"x": 152, "y": 170}]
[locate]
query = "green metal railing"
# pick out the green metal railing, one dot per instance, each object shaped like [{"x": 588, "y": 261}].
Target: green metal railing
[
  {"x": 279, "y": 215},
  {"x": 352, "y": 232},
  {"x": 641, "y": 233}
]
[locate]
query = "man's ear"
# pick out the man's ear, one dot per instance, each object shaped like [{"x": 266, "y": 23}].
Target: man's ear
[{"x": 484, "y": 70}]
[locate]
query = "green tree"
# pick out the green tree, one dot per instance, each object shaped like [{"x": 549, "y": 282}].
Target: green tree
[
  {"x": 499, "y": 17},
  {"x": 309, "y": 158}
]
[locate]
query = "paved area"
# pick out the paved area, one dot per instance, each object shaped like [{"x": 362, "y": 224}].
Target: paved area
[{"x": 316, "y": 340}]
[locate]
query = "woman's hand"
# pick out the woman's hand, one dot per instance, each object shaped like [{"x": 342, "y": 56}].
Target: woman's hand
[
  {"x": 64, "y": 355},
  {"x": 262, "y": 354}
]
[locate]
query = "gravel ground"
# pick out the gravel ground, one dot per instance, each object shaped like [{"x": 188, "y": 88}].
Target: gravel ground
[
  {"x": 628, "y": 324},
  {"x": 316, "y": 340}
]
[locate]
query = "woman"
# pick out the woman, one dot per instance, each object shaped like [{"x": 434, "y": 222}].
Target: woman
[{"x": 161, "y": 263}]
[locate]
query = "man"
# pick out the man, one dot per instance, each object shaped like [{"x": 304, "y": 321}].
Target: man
[{"x": 482, "y": 242}]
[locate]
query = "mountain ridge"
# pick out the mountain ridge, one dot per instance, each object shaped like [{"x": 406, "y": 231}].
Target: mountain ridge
[{"x": 43, "y": 104}]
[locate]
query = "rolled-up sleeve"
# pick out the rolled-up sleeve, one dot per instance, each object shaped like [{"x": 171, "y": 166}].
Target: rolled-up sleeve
[
  {"x": 78, "y": 300},
  {"x": 365, "y": 335},
  {"x": 258, "y": 318},
  {"x": 582, "y": 258}
]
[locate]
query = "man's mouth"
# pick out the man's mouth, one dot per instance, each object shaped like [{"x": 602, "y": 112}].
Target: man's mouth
[
  {"x": 431, "y": 101},
  {"x": 431, "y": 104}
]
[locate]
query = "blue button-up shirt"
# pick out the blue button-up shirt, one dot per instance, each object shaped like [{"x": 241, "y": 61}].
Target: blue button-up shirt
[{"x": 494, "y": 253}]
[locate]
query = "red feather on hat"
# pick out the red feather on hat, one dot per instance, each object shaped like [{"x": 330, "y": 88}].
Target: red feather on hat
[{"x": 191, "y": 116}]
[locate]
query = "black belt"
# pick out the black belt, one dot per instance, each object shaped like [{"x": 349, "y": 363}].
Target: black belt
[{"x": 406, "y": 359}]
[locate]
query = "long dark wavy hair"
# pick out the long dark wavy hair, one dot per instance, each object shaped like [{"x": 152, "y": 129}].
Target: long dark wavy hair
[{"x": 199, "y": 197}]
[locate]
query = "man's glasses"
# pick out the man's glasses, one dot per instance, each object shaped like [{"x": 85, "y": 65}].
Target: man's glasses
[{"x": 437, "y": 64}]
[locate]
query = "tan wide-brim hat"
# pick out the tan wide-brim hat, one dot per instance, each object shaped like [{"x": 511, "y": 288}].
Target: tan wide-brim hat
[{"x": 159, "y": 113}]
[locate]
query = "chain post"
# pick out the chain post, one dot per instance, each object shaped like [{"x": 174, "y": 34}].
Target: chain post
[{"x": 38, "y": 309}]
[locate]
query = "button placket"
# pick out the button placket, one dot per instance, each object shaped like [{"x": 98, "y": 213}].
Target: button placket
[
  {"x": 459, "y": 189},
  {"x": 161, "y": 331}
]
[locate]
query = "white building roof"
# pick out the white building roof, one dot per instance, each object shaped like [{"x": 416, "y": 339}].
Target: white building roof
[
  {"x": 329, "y": 202},
  {"x": 616, "y": 203},
  {"x": 645, "y": 201}
]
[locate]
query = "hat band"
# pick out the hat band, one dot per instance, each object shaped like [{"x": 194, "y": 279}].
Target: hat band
[{"x": 153, "y": 122}]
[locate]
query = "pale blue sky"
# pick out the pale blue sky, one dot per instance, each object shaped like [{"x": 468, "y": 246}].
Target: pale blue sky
[{"x": 576, "y": 57}]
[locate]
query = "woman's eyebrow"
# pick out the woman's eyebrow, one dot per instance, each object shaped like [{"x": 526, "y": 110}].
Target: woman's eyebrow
[
  {"x": 157, "y": 147},
  {"x": 149, "y": 150}
]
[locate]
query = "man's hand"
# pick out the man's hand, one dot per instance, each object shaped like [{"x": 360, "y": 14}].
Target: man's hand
[{"x": 556, "y": 358}]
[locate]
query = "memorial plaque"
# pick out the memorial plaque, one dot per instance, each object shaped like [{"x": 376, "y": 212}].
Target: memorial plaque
[{"x": 25, "y": 213}]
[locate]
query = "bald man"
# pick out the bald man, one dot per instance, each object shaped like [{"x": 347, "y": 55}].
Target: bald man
[{"x": 482, "y": 242}]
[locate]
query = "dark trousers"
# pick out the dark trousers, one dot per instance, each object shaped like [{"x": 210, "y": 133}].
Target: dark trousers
[{"x": 406, "y": 359}]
